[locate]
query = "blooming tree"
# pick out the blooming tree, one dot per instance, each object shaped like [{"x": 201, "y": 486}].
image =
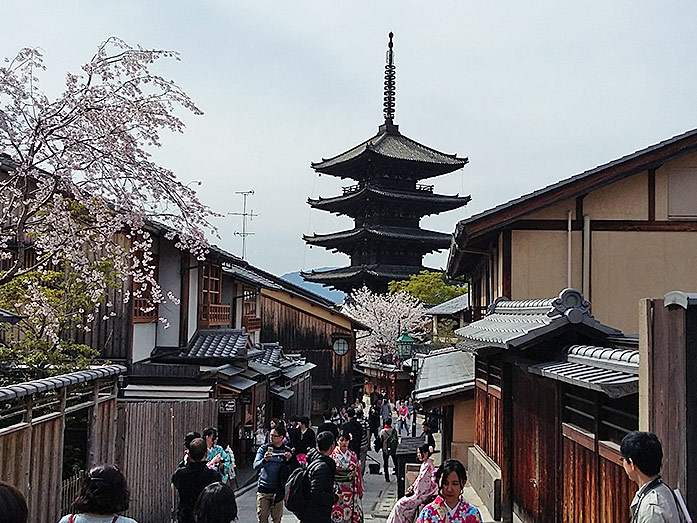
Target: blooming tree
[
  {"x": 78, "y": 184},
  {"x": 386, "y": 315}
]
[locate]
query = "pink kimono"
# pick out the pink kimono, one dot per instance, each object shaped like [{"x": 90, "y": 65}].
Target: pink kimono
[
  {"x": 349, "y": 482},
  {"x": 424, "y": 486},
  {"x": 437, "y": 512}
]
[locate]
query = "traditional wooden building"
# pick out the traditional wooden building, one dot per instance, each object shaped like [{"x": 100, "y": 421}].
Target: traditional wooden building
[
  {"x": 386, "y": 203},
  {"x": 555, "y": 392},
  {"x": 619, "y": 232},
  {"x": 448, "y": 316}
]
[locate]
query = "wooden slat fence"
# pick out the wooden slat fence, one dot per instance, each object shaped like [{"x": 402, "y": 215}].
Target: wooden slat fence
[
  {"x": 31, "y": 447},
  {"x": 149, "y": 447}
]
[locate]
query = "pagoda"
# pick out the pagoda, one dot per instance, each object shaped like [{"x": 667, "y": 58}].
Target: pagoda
[{"x": 386, "y": 204}]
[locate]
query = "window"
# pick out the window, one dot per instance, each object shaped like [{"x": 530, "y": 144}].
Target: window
[{"x": 682, "y": 194}]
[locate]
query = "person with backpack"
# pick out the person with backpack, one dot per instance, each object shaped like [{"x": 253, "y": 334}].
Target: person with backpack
[
  {"x": 273, "y": 464},
  {"x": 390, "y": 440},
  {"x": 310, "y": 491}
]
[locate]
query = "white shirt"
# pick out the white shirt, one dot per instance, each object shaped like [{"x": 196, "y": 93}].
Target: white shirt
[
  {"x": 657, "y": 506},
  {"x": 451, "y": 511}
]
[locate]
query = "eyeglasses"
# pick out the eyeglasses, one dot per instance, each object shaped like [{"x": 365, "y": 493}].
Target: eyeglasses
[{"x": 276, "y": 435}]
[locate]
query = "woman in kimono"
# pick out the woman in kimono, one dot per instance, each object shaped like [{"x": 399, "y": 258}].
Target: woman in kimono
[
  {"x": 420, "y": 492},
  {"x": 449, "y": 506},
  {"x": 349, "y": 483}
]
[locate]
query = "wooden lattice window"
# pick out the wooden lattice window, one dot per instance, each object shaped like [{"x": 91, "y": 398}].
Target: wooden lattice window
[{"x": 212, "y": 313}]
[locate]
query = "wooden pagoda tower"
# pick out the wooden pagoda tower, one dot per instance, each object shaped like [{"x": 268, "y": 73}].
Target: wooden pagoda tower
[{"x": 386, "y": 204}]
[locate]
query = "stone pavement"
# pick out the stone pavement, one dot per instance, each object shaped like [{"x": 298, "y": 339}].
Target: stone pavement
[{"x": 378, "y": 499}]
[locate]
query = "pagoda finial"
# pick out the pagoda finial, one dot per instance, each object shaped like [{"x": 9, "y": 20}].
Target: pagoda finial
[{"x": 389, "y": 99}]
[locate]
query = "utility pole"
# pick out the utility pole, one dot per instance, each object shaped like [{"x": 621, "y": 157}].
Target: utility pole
[{"x": 244, "y": 215}]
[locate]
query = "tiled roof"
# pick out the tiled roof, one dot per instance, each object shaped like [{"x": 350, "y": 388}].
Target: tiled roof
[
  {"x": 444, "y": 372},
  {"x": 56, "y": 382},
  {"x": 516, "y": 324},
  {"x": 250, "y": 275},
  {"x": 281, "y": 392},
  {"x": 271, "y": 353},
  {"x": 392, "y": 144},
  {"x": 438, "y": 240},
  {"x": 9, "y": 317},
  {"x": 614, "y": 372},
  {"x": 394, "y": 272},
  {"x": 297, "y": 370},
  {"x": 262, "y": 368},
  {"x": 434, "y": 203},
  {"x": 217, "y": 344},
  {"x": 238, "y": 382},
  {"x": 457, "y": 304}
]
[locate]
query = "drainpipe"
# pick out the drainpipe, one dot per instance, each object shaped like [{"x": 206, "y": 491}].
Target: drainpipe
[
  {"x": 568, "y": 250},
  {"x": 586, "y": 256}
]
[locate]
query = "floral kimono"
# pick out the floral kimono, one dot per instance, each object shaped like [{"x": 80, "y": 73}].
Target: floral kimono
[
  {"x": 349, "y": 484},
  {"x": 424, "y": 486},
  {"x": 437, "y": 512}
]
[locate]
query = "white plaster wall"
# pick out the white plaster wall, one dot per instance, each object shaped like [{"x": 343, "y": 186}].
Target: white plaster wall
[
  {"x": 143, "y": 340},
  {"x": 170, "y": 281},
  {"x": 193, "y": 303}
]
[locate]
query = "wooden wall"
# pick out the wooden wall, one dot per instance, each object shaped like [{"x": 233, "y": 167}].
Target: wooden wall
[
  {"x": 298, "y": 331},
  {"x": 31, "y": 452},
  {"x": 149, "y": 447}
]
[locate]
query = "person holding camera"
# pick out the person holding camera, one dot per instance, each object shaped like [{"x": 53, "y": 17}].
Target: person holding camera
[{"x": 273, "y": 463}]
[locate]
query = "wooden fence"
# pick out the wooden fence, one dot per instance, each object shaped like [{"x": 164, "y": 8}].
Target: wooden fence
[
  {"x": 32, "y": 428},
  {"x": 149, "y": 447}
]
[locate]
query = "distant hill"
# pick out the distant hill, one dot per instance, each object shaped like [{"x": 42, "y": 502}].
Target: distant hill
[{"x": 294, "y": 277}]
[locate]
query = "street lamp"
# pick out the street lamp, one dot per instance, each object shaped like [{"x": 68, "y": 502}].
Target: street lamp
[{"x": 405, "y": 345}]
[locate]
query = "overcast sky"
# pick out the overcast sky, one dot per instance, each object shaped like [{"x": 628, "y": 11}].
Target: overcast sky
[{"x": 531, "y": 92}]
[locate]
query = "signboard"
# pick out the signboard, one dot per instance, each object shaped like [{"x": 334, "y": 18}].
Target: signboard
[
  {"x": 246, "y": 398},
  {"x": 227, "y": 406}
]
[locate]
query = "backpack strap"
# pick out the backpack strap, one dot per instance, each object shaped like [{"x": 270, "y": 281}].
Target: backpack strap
[
  {"x": 72, "y": 518},
  {"x": 115, "y": 518}
]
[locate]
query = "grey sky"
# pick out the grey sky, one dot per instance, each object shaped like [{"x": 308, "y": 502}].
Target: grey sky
[{"x": 531, "y": 92}]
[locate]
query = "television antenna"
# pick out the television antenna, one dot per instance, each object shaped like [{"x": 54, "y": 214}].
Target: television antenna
[{"x": 245, "y": 215}]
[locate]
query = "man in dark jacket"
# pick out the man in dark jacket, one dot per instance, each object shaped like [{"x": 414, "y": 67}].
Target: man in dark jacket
[
  {"x": 329, "y": 425},
  {"x": 192, "y": 479},
  {"x": 356, "y": 431},
  {"x": 321, "y": 469}
]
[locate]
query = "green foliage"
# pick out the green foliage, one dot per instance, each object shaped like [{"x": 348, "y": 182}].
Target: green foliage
[
  {"x": 54, "y": 305},
  {"x": 430, "y": 287}
]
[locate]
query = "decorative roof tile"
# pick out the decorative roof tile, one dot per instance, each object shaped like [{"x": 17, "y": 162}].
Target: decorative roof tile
[{"x": 516, "y": 324}]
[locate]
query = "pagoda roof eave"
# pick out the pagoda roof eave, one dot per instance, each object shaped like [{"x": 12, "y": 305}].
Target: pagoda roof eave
[
  {"x": 392, "y": 146},
  {"x": 381, "y": 271},
  {"x": 401, "y": 234},
  {"x": 434, "y": 202}
]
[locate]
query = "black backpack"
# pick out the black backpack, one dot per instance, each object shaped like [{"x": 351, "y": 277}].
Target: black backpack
[{"x": 298, "y": 489}]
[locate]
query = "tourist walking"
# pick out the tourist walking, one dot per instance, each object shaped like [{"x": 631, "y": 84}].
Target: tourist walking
[
  {"x": 192, "y": 479},
  {"x": 217, "y": 458},
  {"x": 419, "y": 492},
  {"x": 365, "y": 438},
  {"x": 307, "y": 440},
  {"x": 355, "y": 429},
  {"x": 402, "y": 413},
  {"x": 349, "y": 483},
  {"x": 328, "y": 424},
  {"x": 450, "y": 506},
  {"x": 321, "y": 469},
  {"x": 427, "y": 436},
  {"x": 642, "y": 457},
  {"x": 272, "y": 462},
  {"x": 216, "y": 504},
  {"x": 385, "y": 410},
  {"x": 102, "y": 496},
  {"x": 389, "y": 441}
]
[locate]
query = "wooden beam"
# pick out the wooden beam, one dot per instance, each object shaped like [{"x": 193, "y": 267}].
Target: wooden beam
[
  {"x": 507, "y": 242},
  {"x": 652, "y": 195}
]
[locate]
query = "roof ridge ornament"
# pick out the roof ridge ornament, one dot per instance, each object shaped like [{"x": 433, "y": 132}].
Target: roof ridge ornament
[
  {"x": 571, "y": 304},
  {"x": 390, "y": 88}
]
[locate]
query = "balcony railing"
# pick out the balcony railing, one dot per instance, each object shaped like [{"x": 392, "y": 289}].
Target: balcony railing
[
  {"x": 251, "y": 323},
  {"x": 144, "y": 311},
  {"x": 214, "y": 315}
]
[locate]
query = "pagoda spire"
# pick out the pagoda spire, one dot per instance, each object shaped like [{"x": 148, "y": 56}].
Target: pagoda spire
[{"x": 389, "y": 96}]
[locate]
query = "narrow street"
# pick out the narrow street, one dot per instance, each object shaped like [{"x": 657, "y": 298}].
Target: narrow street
[{"x": 378, "y": 499}]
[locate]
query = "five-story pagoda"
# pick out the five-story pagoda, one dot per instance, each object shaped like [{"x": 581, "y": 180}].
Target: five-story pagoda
[{"x": 387, "y": 204}]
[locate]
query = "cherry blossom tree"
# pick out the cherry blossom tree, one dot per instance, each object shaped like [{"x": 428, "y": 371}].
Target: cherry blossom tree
[
  {"x": 78, "y": 184},
  {"x": 386, "y": 315}
]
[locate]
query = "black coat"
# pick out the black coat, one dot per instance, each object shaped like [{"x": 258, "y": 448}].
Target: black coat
[
  {"x": 306, "y": 442},
  {"x": 322, "y": 498},
  {"x": 356, "y": 431},
  {"x": 189, "y": 482},
  {"x": 331, "y": 427}
]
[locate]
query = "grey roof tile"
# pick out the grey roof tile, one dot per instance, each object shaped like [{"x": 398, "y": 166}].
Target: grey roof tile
[
  {"x": 515, "y": 324},
  {"x": 444, "y": 369},
  {"x": 217, "y": 344},
  {"x": 453, "y": 306},
  {"x": 413, "y": 234},
  {"x": 9, "y": 317}
]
